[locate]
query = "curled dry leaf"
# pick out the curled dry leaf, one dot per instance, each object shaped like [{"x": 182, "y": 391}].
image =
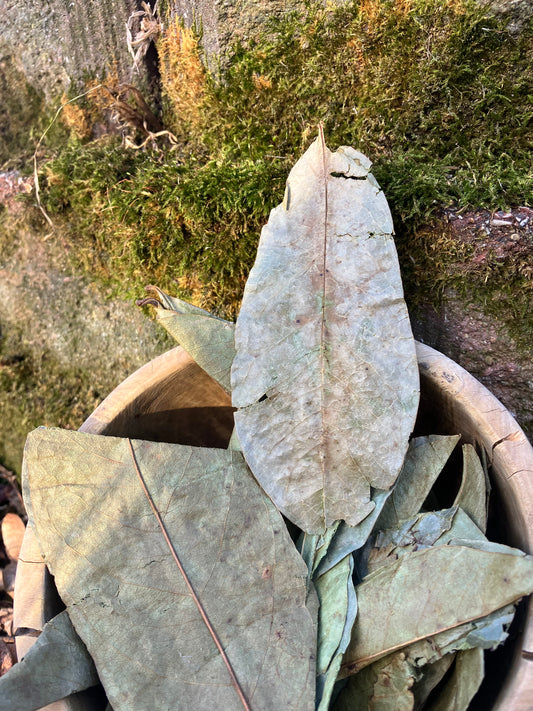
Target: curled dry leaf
[
  {"x": 206, "y": 338},
  {"x": 461, "y": 688},
  {"x": 473, "y": 495},
  {"x": 13, "y": 529},
  {"x": 325, "y": 359}
]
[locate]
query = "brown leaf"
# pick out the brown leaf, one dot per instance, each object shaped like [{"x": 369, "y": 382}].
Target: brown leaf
[
  {"x": 13, "y": 529},
  {"x": 8, "y": 577},
  {"x": 8, "y": 655}
]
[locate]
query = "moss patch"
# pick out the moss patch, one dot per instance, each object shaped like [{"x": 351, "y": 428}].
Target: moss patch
[
  {"x": 38, "y": 391},
  {"x": 436, "y": 93}
]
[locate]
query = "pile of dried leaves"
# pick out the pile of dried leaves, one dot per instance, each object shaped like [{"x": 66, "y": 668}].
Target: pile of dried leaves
[{"x": 376, "y": 599}]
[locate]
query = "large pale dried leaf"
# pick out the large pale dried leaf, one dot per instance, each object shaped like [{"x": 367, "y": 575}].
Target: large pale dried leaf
[
  {"x": 472, "y": 497},
  {"x": 325, "y": 360},
  {"x": 13, "y": 529},
  {"x": 113, "y": 568},
  {"x": 57, "y": 665},
  {"x": 464, "y": 683},
  {"x": 428, "y": 591},
  {"x": 208, "y": 340},
  {"x": 423, "y": 463}
]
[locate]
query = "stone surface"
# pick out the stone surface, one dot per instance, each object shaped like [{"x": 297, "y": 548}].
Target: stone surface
[
  {"x": 225, "y": 22},
  {"x": 53, "y": 322},
  {"x": 474, "y": 333},
  {"x": 483, "y": 346},
  {"x": 56, "y": 41}
]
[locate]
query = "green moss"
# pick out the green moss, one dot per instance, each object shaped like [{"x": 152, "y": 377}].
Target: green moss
[
  {"x": 20, "y": 107},
  {"x": 436, "y": 93},
  {"x": 37, "y": 391}
]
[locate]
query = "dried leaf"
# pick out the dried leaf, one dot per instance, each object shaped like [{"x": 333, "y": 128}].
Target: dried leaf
[
  {"x": 486, "y": 633},
  {"x": 332, "y": 590},
  {"x": 431, "y": 675},
  {"x": 8, "y": 577},
  {"x": 36, "y": 599},
  {"x": 466, "y": 680},
  {"x": 325, "y": 360},
  {"x": 7, "y": 656},
  {"x": 428, "y": 591},
  {"x": 336, "y": 616},
  {"x": 57, "y": 665},
  {"x": 206, "y": 338},
  {"x": 423, "y": 463},
  {"x": 382, "y": 686},
  {"x": 417, "y": 533},
  {"x": 13, "y": 529},
  {"x": 313, "y": 547},
  {"x": 112, "y": 566},
  {"x": 348, "y": 539},
  {"x": 473, "y": 494}
]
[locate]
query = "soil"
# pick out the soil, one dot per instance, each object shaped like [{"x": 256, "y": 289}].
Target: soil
[{"x": 469, "y": 332}]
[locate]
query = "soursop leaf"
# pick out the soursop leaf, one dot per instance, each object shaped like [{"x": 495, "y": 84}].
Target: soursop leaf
[
  {"x": 57, "y": 665},
  {"x": 426, "y": 592},
  {"x": 424, "y": 461},
  {"x": 325, "y": 360},
  {"x": 473, "y": 495},
  {"x": 207, "y": 339},
  {"x": 110, "y": 542},
  {"x": 336, "y": 616}
]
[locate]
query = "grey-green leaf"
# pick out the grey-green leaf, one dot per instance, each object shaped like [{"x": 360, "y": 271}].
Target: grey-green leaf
[
  {"x": 336, "y": 616},
  {"x": 464, "y": 683},
  {"x": 382, "y": 686},
  {"x": 57, "y": 665},
  {"x": 325, "y": 359},
  {"x": 417, "y": 533},
  {"x": 428, "y": 591},
  {"x": 423, "y": 463},
  {"x": 114, "y": 570},
  {"x": 348, "y": 539},
  {"x": 473, "y": 494},
  {"x": 332, "y": 590},
  {"x": 207, "y": 339},
  {"x": 431, "y": 675}
]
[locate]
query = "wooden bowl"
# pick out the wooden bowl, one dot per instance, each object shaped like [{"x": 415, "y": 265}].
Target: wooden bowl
[{"x": 170, "y": 399}]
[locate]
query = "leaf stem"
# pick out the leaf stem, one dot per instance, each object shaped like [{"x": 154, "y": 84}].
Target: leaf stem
[{"x": 194, "y": 596}]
